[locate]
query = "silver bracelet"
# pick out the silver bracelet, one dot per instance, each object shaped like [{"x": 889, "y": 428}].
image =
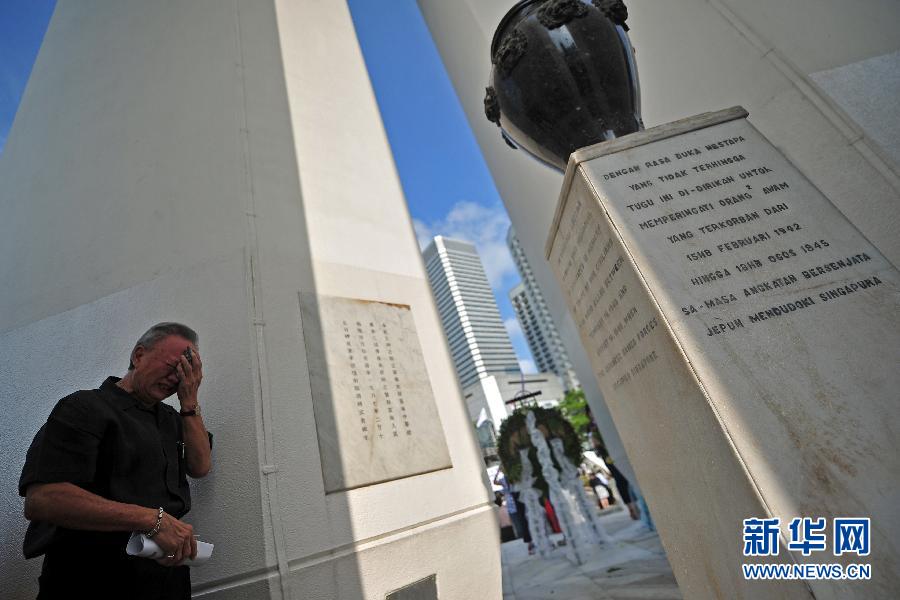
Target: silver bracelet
[{"x": 150, "y": 533}]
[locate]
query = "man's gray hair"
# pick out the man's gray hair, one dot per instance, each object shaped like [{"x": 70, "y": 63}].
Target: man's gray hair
[{"x": 160, "y": 331}]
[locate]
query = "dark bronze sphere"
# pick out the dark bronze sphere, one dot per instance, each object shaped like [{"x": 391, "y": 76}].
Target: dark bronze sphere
[{"x": 564, "y": 77}]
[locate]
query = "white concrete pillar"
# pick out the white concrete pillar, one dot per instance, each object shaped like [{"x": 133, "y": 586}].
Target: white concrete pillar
[{"x": 220, "y": 164}]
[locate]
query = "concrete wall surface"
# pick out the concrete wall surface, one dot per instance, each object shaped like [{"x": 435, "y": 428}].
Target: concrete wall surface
[
  {"x": 208, "y": 162},
  {"x": 548, "y": 384},
  {"x": 491, "y": 394}
]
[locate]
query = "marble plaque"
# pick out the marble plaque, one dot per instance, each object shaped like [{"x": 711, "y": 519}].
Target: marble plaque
[
  {"x": 375, "y": 412},
  {"x": 744, "y": 333}
]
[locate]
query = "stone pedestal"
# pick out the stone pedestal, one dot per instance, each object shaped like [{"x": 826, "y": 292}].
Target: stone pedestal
[{"x": 745, "y": 336}]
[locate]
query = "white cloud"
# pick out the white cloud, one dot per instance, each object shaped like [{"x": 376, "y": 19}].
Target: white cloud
[
  {"x": 527, "y": 366},
  {"x": 424, "y": 234},
  {"x": 513, "y": 328},
  {"x": 484, "y": 226}
]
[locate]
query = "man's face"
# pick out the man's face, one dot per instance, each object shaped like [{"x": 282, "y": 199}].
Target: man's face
[{"x": 154, "y": 377}]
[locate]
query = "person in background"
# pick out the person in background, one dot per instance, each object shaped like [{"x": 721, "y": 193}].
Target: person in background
[
  {"x": 600, "y": 484},
  {"x": 621, "y": 482},
  {"x": 515, "y": 509}
]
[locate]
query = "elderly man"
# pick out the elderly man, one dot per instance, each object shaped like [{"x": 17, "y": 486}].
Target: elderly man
[{"x": 115, "y": 460}]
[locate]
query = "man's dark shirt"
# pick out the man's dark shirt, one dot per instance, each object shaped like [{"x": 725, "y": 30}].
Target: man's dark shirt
[{"x": 108, "y": 443}]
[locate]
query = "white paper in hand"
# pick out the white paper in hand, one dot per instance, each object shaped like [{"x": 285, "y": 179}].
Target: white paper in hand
[{"x": 144, "y": 547}]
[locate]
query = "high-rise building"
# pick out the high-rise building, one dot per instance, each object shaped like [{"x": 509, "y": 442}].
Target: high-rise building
[
  {"x": 478, "y": 341},
  {"x": 537, "y": 324},
  {"x": 527, "y": 315}
]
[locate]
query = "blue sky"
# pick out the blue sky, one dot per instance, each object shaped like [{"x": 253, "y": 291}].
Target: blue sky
[
  {"x": 447, "y": 185},
  {"x": 22, "y": 26}
]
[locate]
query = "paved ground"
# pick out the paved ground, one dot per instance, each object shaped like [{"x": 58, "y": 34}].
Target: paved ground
[{"x": 634, "y": 566}]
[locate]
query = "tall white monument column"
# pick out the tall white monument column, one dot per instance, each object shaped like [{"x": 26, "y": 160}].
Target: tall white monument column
[{"x": 224, "y": 164}]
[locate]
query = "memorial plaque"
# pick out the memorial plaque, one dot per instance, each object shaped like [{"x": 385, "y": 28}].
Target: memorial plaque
[
  {"x": 375, "y": 412},
  {"x": 713, "y": 285}
]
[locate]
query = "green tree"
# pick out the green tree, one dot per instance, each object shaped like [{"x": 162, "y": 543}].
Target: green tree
[{"x": 574, "y": 408}]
